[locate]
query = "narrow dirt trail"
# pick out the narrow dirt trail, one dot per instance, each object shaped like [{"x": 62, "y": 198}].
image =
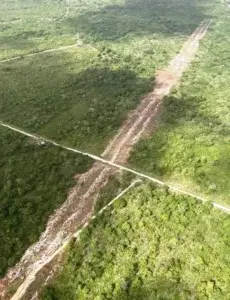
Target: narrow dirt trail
[
  {"x": 67, "y": 10},
  {"x": 62, "y": 48},
  {"x": 78, "y": 207},
  {"x": 118, "y": 167}
]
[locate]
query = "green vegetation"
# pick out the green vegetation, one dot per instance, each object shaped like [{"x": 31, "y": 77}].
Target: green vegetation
[
  {"x": 34, "y": 181},
  {"x": 115, "y": 185},
  {"x": 191, "y": 145},
  {"x": 29, "y": 26},
  {"x": 72, "y": 97},
  {"x": 81, "y": 95},
  {"x": 152, "y": 245}
]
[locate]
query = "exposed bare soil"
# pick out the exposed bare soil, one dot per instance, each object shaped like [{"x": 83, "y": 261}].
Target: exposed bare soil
[{"x": 32, "y": 269}]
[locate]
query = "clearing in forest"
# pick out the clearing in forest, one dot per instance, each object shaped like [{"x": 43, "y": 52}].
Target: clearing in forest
[
  {"x": 167, "y": 247},
  {"x": 80, "y": 96},
  {"x": 73, "y": 96},
  {"x": 80, "y": 202},
  {"x": 190, "y": 147},
  {"x": 34, "y": 180}
]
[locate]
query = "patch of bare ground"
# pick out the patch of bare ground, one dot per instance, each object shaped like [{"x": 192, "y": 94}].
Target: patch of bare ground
[{"x": 40, "y": 257}]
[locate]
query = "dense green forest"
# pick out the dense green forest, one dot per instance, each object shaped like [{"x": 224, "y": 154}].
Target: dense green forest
[
  {"x": 191, "y": 145},
  {"x": 34, "y": 181},
  {"x": 29, "y": 26},
  {"x": 115, "y": 185},
  {"x": 151, "y": 244},
  {"x": 74, "y": 97},
  {"x": 80, "y": 96}
]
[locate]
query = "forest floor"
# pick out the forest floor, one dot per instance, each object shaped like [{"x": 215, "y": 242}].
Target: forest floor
[{"x": 79, "y": 205}]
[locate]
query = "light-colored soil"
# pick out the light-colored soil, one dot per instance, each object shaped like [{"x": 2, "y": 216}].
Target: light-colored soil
[{"x": 78, "y": 207}]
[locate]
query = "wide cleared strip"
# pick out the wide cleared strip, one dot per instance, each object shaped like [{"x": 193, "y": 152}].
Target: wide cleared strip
[
  {"x": 113, "y": 164},
  {"x": 114, "y": 157}
]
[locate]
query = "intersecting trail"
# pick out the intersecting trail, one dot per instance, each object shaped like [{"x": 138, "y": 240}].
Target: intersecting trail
[
  {"x": 115, "y": 165},
  {"x": 62, "y": 48},
  {"x": 66, "y": 11},
  {"x": 79, "y": 206}
]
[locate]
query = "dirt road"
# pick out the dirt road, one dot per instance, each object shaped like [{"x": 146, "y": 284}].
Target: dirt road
[{"x": 78, "y": 207}]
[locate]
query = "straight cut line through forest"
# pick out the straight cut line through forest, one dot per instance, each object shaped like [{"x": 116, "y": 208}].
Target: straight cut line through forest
[
  {"x": 62, "y": 48},
  {"x": 122, "y": 193},
  {"x": 113, "y": 164},
  {"x": 86, "y": 224},
  {"x": 78, "y": 207}
]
